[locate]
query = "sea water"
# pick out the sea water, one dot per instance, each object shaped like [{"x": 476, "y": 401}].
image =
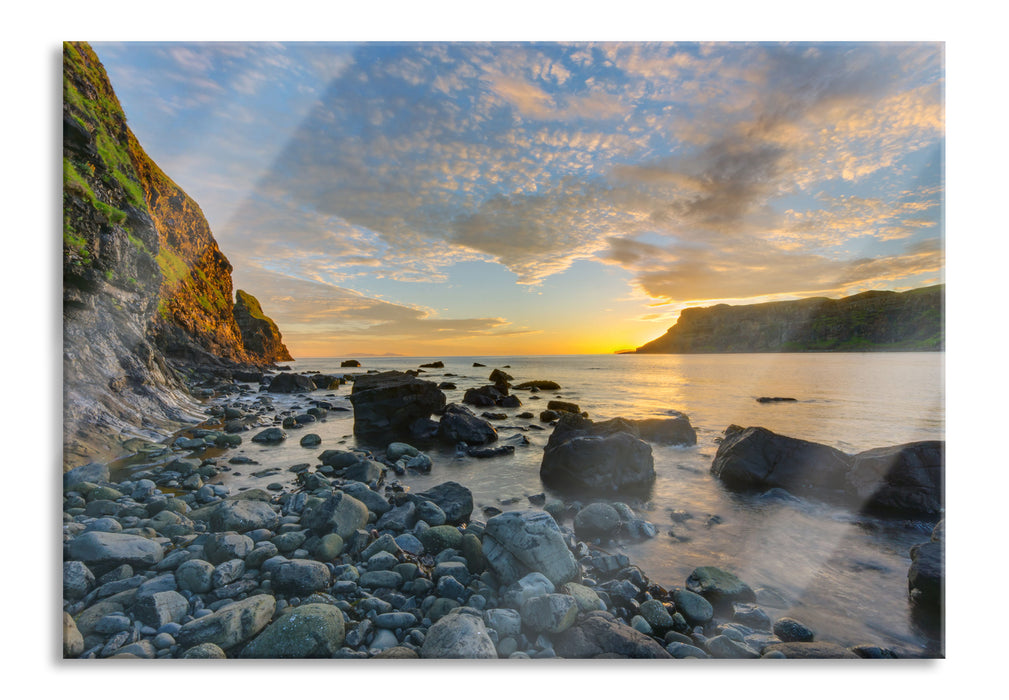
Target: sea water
[{"x": 843, "y": 574}]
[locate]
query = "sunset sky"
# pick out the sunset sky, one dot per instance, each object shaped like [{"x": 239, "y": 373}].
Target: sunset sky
[{"x": 538, "y": 198}]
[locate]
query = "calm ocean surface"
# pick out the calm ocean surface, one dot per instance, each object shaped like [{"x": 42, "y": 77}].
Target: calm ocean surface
[{"x": 844, "y": 575}]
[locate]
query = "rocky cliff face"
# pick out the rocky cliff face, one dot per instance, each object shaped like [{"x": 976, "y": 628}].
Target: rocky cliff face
[
  {"x": 877, "y": 320},
  {"x": 145, "y": 287}
]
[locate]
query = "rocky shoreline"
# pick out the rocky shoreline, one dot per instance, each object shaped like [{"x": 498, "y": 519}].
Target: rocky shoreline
[{"x": 348, "y": 562}]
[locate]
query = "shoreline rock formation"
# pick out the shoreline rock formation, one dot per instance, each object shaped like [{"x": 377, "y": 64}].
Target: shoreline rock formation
[
  {"x": 147, "y": 293},
  {"x": 870, "y": 321}
]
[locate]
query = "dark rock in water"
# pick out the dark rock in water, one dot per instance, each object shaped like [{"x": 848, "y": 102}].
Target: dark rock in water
[
  {"x": 565, "y": 406},
  {"x": 599, "y": 634},
  {"x": 903, "y": 479},
  {"x": 339, "y": 459},
  {"x": 482, "y": 396},
  {"x": 775, "y": 399},
  {"x": 497, "y": 376},
  {"x": 447, "y": 386},
  {"x": 438, "y": 364},
  {"x": 270, "y": 435},
  {"x": 718, "y": 587},
  {"x": 327, "y": 381},
  {"x": 694, "y": 608},
  {"x": 549, "y": 416},
  {"x": 756, "y": 458},
  {"x": 596, "y": 520},
  {"x": 486, "y": 452},
  {"x": 541, "y": 384},
  {"x": 810, "y": 650},
  {"x": 389, "y": 403},
  {"x": 350, "y": 363},
  {"x": 454, "y": 499},
  {"x": 477, "y": 364},
  {"x": 509, "y": 402},
  {"x": 671, "y": 431},
  {"x": 311, "y": 440},
  {"x": 788, "y": 630},
  {"x": 288, "y": 383},
  {"x": 458, "y": 424},
  {"x": 898, "y": 480},
  {"x": 597, "y": 457},
  {"x": 926, "y": 576},
  {"x": 494, "y": 416}
]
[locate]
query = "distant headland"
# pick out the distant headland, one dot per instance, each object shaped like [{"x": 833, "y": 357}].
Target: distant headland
[{"x": 868, "y": 322}]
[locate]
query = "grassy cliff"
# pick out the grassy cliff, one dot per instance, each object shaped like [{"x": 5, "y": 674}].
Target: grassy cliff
[
  {"x": 145, "y": 287},
  {"x": 871, "y": 321}
]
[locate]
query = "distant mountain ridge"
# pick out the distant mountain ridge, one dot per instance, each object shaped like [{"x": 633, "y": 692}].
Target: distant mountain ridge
[
  {"x": 870, "y": 321},
  {"x": 147, "y": 293}
]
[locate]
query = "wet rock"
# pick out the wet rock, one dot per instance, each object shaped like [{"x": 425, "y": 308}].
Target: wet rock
[
  {"x": 312, "y": 630},
  {"x": 552, "y": 613},
  {"x": 301, "y": 577},
  {"x": 900, "y": 480},
  {"x": 758, "y": 459},
  {"x": 389, "y": 403},
  {"x": 455, "y": 500},
  {"x": 242, "y": 516},
  {"x": 600, "y": 634},
  {"x": 461, "y": 634},
  {"x": 676, "y": 430},
  {"x": 270, "y": 436},
  {"x": 718, "y": 587},
  {"x": 78, "y": 580},
  {"x": 926, "y": 576},
  {"x": 596, "y": 457},
  {"x": 231, "y": 625},
  {"x": 597, "y": 520},
  {"x": 519, "y": 542},
  {"x": 339, "y": 513},
  {"x": 109, "y": 549},
  {"x": 289, "y": 383},
  {"x": 788, "y": 630}
]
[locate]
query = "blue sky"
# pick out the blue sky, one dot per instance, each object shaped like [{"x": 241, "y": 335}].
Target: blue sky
[{"x": 505, "y": 198}]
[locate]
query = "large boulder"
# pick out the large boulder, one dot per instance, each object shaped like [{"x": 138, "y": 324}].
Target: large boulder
[
  {"x": 310, "y": 631},
  {"x": 461, "y": 634},
  {"x": 517, "y": 543},
  {"x": 231, "y": 625},
  {"x": 596, "y": 457},
  {"x": 390, "y": 403},
  {"x": 459, "y": 424},
  {"x": 899, "y": 480},
  {"x": 903, "y": 479},
  {"x": 676, "y": 430},
  {"x": 598, "y": 633},
  {"x": 290, "y": 383},
  {"x": 455, "y": 500},
  {"x": 758, "y": 459}
]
